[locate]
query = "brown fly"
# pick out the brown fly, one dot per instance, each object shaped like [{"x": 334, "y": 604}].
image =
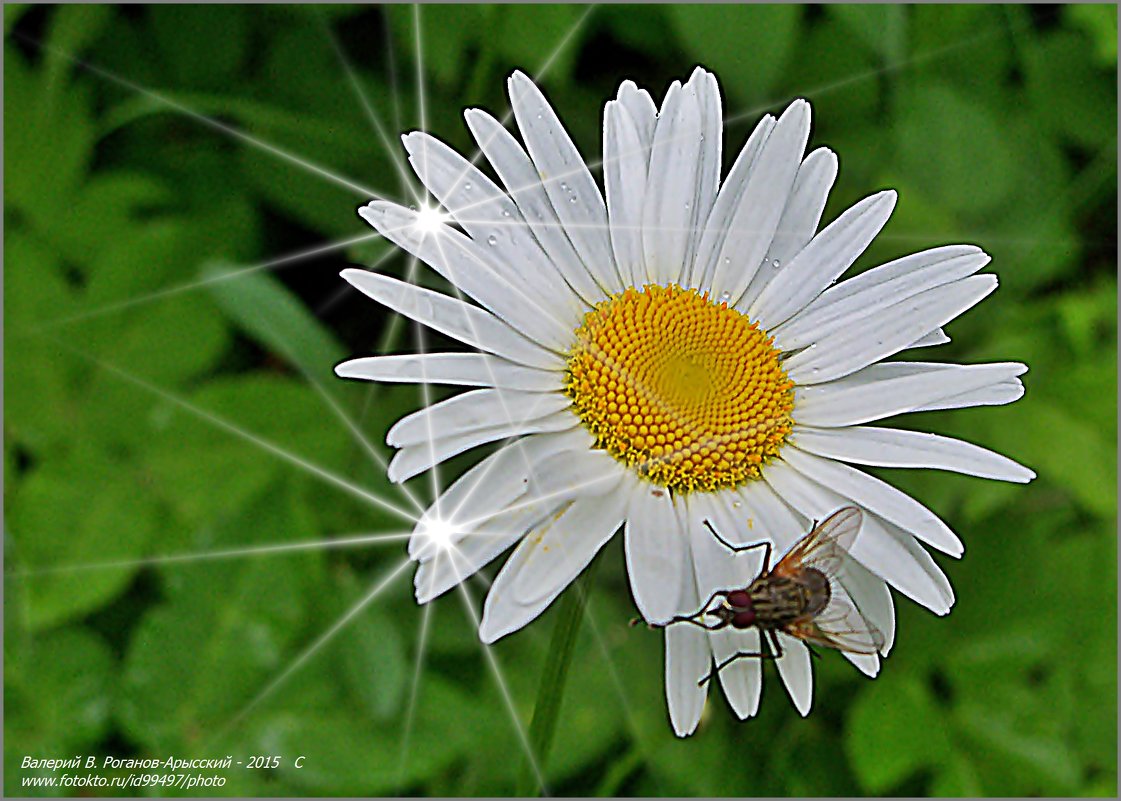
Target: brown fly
[{"x": 800, "y": 596}]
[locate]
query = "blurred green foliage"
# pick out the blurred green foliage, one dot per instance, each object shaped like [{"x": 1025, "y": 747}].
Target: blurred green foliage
[{"x": 124, "y": 216}]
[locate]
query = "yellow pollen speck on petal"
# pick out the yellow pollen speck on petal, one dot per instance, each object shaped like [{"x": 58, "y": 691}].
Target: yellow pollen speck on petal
[{"x": 689, "y": 393}]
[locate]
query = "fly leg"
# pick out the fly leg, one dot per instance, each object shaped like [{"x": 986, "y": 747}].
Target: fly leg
[
  {"x": 693, "y": 618},
  {"x": 774, "y": 651},
  {"x": 764, "y": 544}
]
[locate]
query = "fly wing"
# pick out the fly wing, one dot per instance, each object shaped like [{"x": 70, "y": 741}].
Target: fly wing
[
  {"x": 840, "y": 625},
  {"x": 826, "y": 547}
]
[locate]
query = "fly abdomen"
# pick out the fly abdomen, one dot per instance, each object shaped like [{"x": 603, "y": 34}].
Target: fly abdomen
[{"x": 779, "y": 600}]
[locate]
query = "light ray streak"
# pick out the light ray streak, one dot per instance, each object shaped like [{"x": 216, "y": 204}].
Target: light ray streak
[
  {"x": 561, "y": 495},
  {"x": 872, "y": 73},
  {"x": 613, "y": 671},
  {"x": 314, "y": 648},
  {"x": 349, "y": 423},
  {"x": 414, "y": 691},
  {"x": 375, "y": 120},
  {"x": 178, "y": 289},
  {"x": 392, "y": 62},
  {"x": 210, "y": 122},
  {"x": 208, "y": 556},
  {"x": 241, "y": 433},
  {"x": 504, "y": 690}
]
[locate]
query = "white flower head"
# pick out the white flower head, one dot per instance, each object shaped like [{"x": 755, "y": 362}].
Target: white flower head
[{"x": 671, "y": 351}]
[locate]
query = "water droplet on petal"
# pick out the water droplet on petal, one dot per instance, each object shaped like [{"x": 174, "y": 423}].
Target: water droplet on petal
[
  {"x": 775, "y": 263},
  {"x": 686, "y": 207},
  {"x": 725, "y": 297},
  {"x": 492, "y": 240},
  {"x": 736, "y": 504},
  {"x": 467, "y": 187},
  {"x": 572, "y": 199},
  {"x": 564, "y": 187},
  {"x": 727, "y": 260},
  {"x": 505, "y": 213}
]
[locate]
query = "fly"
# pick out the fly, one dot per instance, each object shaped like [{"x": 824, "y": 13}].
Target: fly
[{"x": 800, "y": 596}]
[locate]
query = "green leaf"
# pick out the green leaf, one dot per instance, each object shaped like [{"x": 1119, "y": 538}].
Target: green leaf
[
  {"x": 1062, "y": 81},
  {"x": 957, "y": 778},
  {"x": 48, "y": 139},
  {"x": 1099, "y": 21},
  {"x": 371, "y": 656},
  {"x": 73, "y": 512},
  {"x": 1021, "y": 757},
  {"x": 532, "y": 34},
  {"x": 894, "y": 728},
  {"x": 271, "y": 314},
  {"x": 964, "y": 45},
  {"x": 753, "y": 42},
  {"x": 229, "y": 627},
  {"x": 447, "y": 32},
  {"x": 840, "y": 84},
  {"x": 882, "y": 29},
  {"x": 12, "y": 14},
  {"x": 203, "y": 45},
  {"x": 57, "y": 695},
  {"x": 37, "y": 381},
  {"x": 1084, "y": 465},
  {"x": 187, "y": 452},
  {"x": 72, "y": 29},
  {"x": 954, "y": 149}
]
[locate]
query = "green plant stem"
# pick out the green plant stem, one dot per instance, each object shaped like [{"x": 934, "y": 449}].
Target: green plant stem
[{"x": 550, "y": 692}]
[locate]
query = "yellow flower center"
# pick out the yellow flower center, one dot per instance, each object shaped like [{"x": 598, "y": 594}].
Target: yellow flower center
[{"x": 688, "y": 393}]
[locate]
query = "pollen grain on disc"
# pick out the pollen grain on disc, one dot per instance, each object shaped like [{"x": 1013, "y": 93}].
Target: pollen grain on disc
[{"x": 689, "y": 393}]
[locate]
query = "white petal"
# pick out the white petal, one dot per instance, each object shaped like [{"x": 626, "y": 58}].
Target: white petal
[
  {"x": 884, "y": 549},
  {"x": 997, "y": 394},
  {"x": 668, "y": 208},
  {"x": 876, "y": 496},
  {"x": 883, "y": 390},
  {"x": 547, "y": 561},
  {"x": 656, "y": 548},
  {"x": 462, "y": 369},
  {"x": 489, "y": 215},
  {"x": 567, "y": 180},
  {"x": 641, "y": 108},
  {"x": 820, "y": 262},
  {"x": 469, "y": 324},
  {"x": 848, "y": 302},
  {"x": 807, "y": 200},
  {"x": 469, "y": 411},
  {"x": 688, "y": 660},
  {"x": 935, "y": 337},
  {"x": 534, "y": 475},
  {"x": 797, "y": 675},
  {"x": 413, "y": 460},
  {"x": 458, "y": 259},
  {"x": 872, "y": 597},
  {"x": 708, "y": 174},
  {"x": 625, "y": 161},
  {"x": 719, "y": 221},
  {"x": 447, "y": 568},
  {"x": 887, "y": 331},
  {"x": 717, "y": 568},
  {"x": 753, "y": 225},
  {"x": 799, "y": 220},
  {"x": 890, "y": 447},
  {"x": 523, "y": 183},
  {"x": 769, "y": 516},
  {"x": 868, "y": 664},
  {"x": 493, "y": 484}
]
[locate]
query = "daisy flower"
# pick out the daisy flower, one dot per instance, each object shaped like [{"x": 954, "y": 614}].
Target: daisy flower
[{"x": 671, "y": 350}]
